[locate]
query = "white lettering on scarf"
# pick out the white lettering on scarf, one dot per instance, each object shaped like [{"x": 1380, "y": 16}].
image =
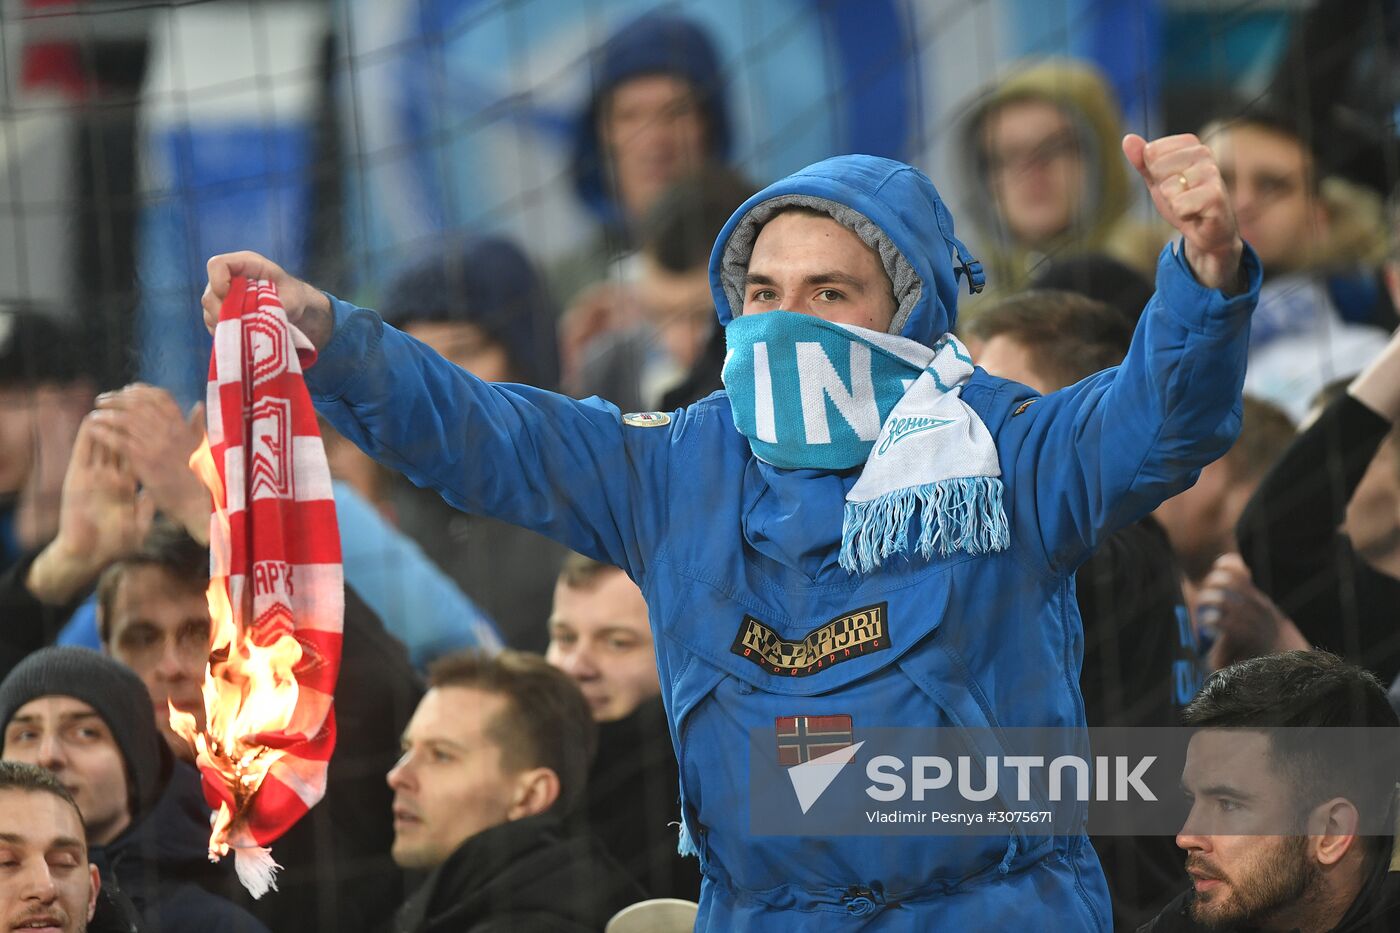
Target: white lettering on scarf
[
  {"x": 818, "y": 380},
  {"x": 765, "y": 427}
]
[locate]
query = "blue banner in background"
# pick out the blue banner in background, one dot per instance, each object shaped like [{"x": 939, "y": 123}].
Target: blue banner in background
[
  {"x": 1124, "y": 38},
  {"x": 230, "y": 187},
  {"x": 461, "y": 113},
  {"x": 226, "y": 156},
  {"x": 458, "y": 115}
]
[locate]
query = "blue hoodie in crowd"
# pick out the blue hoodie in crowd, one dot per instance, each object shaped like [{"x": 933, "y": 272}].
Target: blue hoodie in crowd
[
  {"x": 655, "y": 43},
  {"x": 715, "y": 537}
]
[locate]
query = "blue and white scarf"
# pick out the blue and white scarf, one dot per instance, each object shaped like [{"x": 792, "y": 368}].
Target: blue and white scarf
[{"x": 809, "y": 393}]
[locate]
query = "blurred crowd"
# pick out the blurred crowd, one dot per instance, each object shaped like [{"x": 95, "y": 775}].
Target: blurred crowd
[{"x": 505, "y": 761}]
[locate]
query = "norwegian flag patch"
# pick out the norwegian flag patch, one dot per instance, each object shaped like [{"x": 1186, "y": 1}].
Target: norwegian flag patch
[{"x": 802, "y": 738}]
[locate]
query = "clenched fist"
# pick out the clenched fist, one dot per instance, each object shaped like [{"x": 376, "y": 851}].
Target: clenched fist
[
  {"x": 307, "y": 309},
  {"x": 1187, "y": 190}
]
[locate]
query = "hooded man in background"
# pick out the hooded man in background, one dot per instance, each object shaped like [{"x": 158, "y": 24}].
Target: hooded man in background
[
  {"x": 1045, "y": 180},
  {"x": 656, "y": 112}
]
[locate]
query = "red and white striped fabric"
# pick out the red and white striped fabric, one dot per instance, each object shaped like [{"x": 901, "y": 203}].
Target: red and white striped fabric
[{"x": 277, "y": 554}]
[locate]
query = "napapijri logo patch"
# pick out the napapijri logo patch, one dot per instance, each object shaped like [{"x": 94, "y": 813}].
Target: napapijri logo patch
[{"x": 849, "y": 636}]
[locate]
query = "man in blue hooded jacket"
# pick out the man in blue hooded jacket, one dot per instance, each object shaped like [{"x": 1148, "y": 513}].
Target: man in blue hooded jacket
[{"x": 858, "y": 482}]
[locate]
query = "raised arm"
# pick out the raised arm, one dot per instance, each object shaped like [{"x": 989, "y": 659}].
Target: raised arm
[
  {"x": 1186, "y": 188},
  {"x": 1289, "y": 533},
  {"x": 567, "y": 469},
  {"x": 1378, "y": 386},
  {"x": 1106, "y": 451},
  {"x": 101, "y": 519}
]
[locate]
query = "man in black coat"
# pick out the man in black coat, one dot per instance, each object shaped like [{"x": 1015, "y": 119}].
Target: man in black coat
[
  {"x": 495, "y": 759},
  {"x": 599, "y": 634},
  {"x": 1271, "y": 756}
]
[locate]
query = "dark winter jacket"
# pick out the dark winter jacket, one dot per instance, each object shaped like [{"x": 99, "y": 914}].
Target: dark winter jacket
[
  {"x": 632, "y": 804},
  {"x": 523, "y": 876},
  {"x": 161, "y": 864},
  {"x": 1140, "y": 669},
  {"x": 1289, "y": 536},
  {"x": 338, "y": 875}
]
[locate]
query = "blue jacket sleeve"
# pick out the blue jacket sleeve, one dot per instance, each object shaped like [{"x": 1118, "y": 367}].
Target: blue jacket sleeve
[
  {"x": 569, "y": 470},
  {"x": 1102, "y": 453}
]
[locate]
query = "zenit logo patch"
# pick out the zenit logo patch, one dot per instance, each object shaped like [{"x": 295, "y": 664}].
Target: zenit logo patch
[
  {"x": 646, "y": 419},
  {"x": 849, "y": 636}
]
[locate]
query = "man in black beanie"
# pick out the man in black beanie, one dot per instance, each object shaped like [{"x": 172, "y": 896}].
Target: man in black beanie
[{"x": 87, "y": 718}]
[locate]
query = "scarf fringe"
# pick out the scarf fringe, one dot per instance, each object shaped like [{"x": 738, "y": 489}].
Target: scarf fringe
[
  {"x": 962, "y": 514},
  {"x": 685, "y": 844},
  {"x": 256, "y": 868}
]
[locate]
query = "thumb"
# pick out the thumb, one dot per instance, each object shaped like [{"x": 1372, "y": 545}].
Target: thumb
[
  {"x": 221, "y": 270},
  {"x": 210, "y": 304},
  {"x": 1135, "y": 148}
]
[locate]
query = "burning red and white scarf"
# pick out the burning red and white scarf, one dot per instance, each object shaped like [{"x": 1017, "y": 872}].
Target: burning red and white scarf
[{"x": 276, "y": 593}]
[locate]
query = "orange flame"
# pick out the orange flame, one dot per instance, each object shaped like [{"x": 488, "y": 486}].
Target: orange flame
[{"x": 248, "y": 688}]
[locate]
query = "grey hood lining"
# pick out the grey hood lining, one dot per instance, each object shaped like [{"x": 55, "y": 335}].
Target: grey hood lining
[{"x": 908, "y": 287}]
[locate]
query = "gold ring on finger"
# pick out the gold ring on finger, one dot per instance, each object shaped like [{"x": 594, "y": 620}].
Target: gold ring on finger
[{"x": 1185, "y": 183}]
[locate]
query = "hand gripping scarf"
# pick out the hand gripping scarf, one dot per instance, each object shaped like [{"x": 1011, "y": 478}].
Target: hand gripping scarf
[
  {"x": 276, "y": 590},
  {"x": 811, "y": 394}
]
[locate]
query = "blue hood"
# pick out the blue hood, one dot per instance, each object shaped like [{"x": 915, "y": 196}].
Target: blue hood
[
  {"x": 655, "y": 43},
  {"x": 900, "y": 201}
]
